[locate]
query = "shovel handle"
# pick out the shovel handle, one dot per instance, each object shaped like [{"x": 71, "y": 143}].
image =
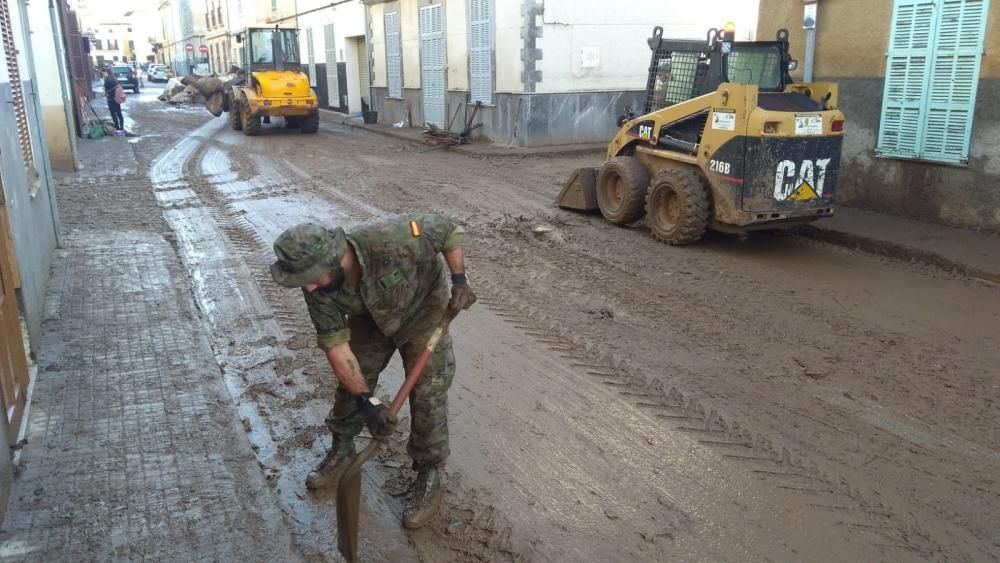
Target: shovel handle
[{"x": 418, "y": 367}]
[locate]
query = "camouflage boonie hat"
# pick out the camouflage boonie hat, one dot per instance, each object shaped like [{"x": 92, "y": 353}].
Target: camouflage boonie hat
[{"x": 306, "y": 252}]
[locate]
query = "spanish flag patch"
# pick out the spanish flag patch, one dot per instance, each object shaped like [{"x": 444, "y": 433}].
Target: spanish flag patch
[{"x": 415, "y": 228}]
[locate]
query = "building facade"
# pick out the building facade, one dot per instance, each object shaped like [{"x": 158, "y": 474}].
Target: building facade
[
  {"x": 915, "y": 78},
  {"x": 183, "y": 33},
  {"x": 29, "y": 222},
  {"x": 546, "y": 72},
  {"x": 109, "y": 42},
  {"x": 218, "y": 35},
  {"x": 334, "y": 49}
]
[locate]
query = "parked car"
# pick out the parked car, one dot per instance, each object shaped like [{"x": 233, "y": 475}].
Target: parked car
[
  {"x": 157, "y": 73},
  {"x": 126, "y": 76}
]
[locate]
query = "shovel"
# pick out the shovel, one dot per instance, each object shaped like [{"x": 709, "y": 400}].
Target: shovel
[{"x": 349, "y": 489}]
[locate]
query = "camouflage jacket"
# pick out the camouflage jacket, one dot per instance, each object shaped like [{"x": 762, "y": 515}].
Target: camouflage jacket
[{"x": 401, "y": 271}]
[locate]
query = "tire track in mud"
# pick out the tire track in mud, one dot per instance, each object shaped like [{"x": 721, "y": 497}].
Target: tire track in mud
[
  {"x": 782, "y": 467},
  {"x": 467, "y": 529},
  {"x": 785, "y": 467},
  {"x": 761, "y": 455},
  {"x": 783, "y": 470}
]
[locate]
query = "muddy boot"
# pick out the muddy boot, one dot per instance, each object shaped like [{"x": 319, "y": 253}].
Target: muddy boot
[
  {"x": 428, "y": 491},
  {"x": 327, "y": 473}
]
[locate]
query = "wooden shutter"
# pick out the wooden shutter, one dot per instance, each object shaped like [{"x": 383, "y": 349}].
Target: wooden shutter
[
  {"x": 957, "y": 52},
  {"x": 932, "y": 72},
  {"x": 907, "y": 69},
  {"x": 393, "y": 62},
  {"x": 16, "y": 86},
  {"x": 332, "y": 81},
  {"x": 311, "y": 57},
  {"x": 480, "y": 51},
  {"x": 432, "y": 63}
]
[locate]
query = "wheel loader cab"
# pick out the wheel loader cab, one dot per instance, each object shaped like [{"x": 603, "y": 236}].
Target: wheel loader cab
[{"x": 726, "y": 141}]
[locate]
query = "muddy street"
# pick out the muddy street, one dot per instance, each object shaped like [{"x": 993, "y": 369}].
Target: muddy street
[{"x": 748, "y": 398}]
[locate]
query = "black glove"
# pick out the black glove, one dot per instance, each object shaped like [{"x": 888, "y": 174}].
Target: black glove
[
  {"x": 378, "y": 419},
  {"x": 462, "y": 296}
]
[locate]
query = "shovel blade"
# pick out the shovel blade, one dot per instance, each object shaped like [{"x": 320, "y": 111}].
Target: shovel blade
[
  {"x": 349, "y": 503},
  {"x": 348, "y": 514}
]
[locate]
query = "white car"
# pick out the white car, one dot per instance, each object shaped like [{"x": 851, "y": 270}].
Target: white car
[{"x": 157, "y": 73}]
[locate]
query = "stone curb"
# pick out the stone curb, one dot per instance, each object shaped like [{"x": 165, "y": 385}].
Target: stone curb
[{"x": 895, "y": 250}]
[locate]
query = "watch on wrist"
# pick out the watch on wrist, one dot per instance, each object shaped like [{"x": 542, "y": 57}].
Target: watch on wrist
[{"x": 459, "y": 279}]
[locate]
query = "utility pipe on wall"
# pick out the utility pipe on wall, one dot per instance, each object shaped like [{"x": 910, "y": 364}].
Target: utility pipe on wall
[{"x": 809, "y": 24}]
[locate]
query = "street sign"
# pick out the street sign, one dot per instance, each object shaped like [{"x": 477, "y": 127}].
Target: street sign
[
  {"x": 203, "y": 48},
  {"x": 189, "y": 47}
]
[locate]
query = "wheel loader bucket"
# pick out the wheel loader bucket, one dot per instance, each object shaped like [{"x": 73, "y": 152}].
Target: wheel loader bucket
[{"x": 580, "y": 191}]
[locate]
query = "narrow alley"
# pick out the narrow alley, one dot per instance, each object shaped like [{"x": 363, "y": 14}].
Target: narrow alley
[{"x": 770, "y": 397}]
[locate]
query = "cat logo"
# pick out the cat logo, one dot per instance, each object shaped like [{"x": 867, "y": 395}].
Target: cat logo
[
  {"x": 645, "y": 131},
  {"x": 800, "y": 181}
]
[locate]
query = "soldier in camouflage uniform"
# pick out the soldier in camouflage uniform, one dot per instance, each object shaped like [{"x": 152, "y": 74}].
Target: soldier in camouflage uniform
[{"x": 371, "y": 291}]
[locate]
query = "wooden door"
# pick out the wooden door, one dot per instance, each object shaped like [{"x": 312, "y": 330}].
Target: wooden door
[{"x": 13, "y": 362}]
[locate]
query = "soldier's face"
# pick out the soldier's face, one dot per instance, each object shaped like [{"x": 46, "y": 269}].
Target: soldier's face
[{"x": 325, "y": 281}]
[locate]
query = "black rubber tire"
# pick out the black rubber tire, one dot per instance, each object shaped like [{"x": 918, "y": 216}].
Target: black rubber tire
[
  {"x": 251, "y": 124},
  {"x": 235, "y": 118},
  {"x": 621, "y": 190},
  {"x": 678, "y": 207},
  {"x": 310, "y": 123}
]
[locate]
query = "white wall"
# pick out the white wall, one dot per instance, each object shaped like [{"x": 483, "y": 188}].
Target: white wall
[
  {"x": 617, "y": 34},
  {"x": 46, "y": 48},
  {"x": 507, "y": 45},
  {"x": 409, "y": 36},
  {"x": 456, "y": 28}
]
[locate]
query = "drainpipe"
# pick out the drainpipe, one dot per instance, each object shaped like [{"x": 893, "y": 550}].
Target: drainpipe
[{"x": 809, "y": 25}]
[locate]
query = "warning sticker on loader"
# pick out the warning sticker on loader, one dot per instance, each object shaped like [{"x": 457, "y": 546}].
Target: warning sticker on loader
[
  {"x": 808, "y": 124},
  {"x": 724, "y": 120}
]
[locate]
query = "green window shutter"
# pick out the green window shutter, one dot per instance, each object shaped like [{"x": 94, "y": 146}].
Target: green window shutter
[
  {"x": 932, "y": 72},
  {"x": 958, "y": 50},
  {"x": 906, "y": 75},
  {"x": 480, "y": 51}
]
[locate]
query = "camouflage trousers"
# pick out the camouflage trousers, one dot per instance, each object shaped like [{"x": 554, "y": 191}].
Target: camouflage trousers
[{"x": 428, "y": 445}]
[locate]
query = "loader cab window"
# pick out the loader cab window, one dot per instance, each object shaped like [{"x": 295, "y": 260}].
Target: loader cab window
[
  {"x": 758, "y": 64},
  {"x": 262, "y": 46},
  {"x": 677, "y": 78}
]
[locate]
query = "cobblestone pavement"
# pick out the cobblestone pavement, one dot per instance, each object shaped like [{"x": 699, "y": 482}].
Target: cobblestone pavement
[{"x": 134, "y": 449}]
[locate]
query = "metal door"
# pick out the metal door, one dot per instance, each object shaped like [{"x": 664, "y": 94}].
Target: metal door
[
  {"x": 432, "y": 63},
  {"x": 364, "y": 80},
  {"x": 13, "y": 362}
]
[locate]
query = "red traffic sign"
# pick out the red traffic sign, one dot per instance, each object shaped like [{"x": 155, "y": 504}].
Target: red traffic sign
[
  {"x": 189, "y": 47},
  {"x": 203, "y": 48}
]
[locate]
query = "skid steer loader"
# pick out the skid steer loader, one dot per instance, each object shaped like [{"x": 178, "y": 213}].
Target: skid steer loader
[{"x": 726, "y": 141}]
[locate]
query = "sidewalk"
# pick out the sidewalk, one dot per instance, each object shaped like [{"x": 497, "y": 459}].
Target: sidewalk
[
  {"x": 967, "y": 252},
  {"x": 478, "y": 149},
  {"x": 134, "y": 449}
]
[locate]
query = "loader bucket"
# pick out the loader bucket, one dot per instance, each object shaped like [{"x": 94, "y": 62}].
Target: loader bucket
[{"x": 580, "y": 190}]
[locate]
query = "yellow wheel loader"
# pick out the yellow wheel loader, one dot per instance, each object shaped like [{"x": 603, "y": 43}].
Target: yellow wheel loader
[
  {"x": 275, "y": 84},
  {"x": 726, "y": 142}
]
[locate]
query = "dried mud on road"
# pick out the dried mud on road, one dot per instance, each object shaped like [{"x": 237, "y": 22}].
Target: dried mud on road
[{"x": 761, "y": 398}]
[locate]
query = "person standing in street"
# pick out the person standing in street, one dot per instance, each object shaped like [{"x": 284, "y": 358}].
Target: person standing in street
[
  {"x": 371, "y": 291},
  {"x": 114, "y": 93}
]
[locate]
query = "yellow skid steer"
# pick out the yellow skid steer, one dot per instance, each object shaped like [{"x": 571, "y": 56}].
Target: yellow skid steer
[{"x": 726, "y": 141}]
